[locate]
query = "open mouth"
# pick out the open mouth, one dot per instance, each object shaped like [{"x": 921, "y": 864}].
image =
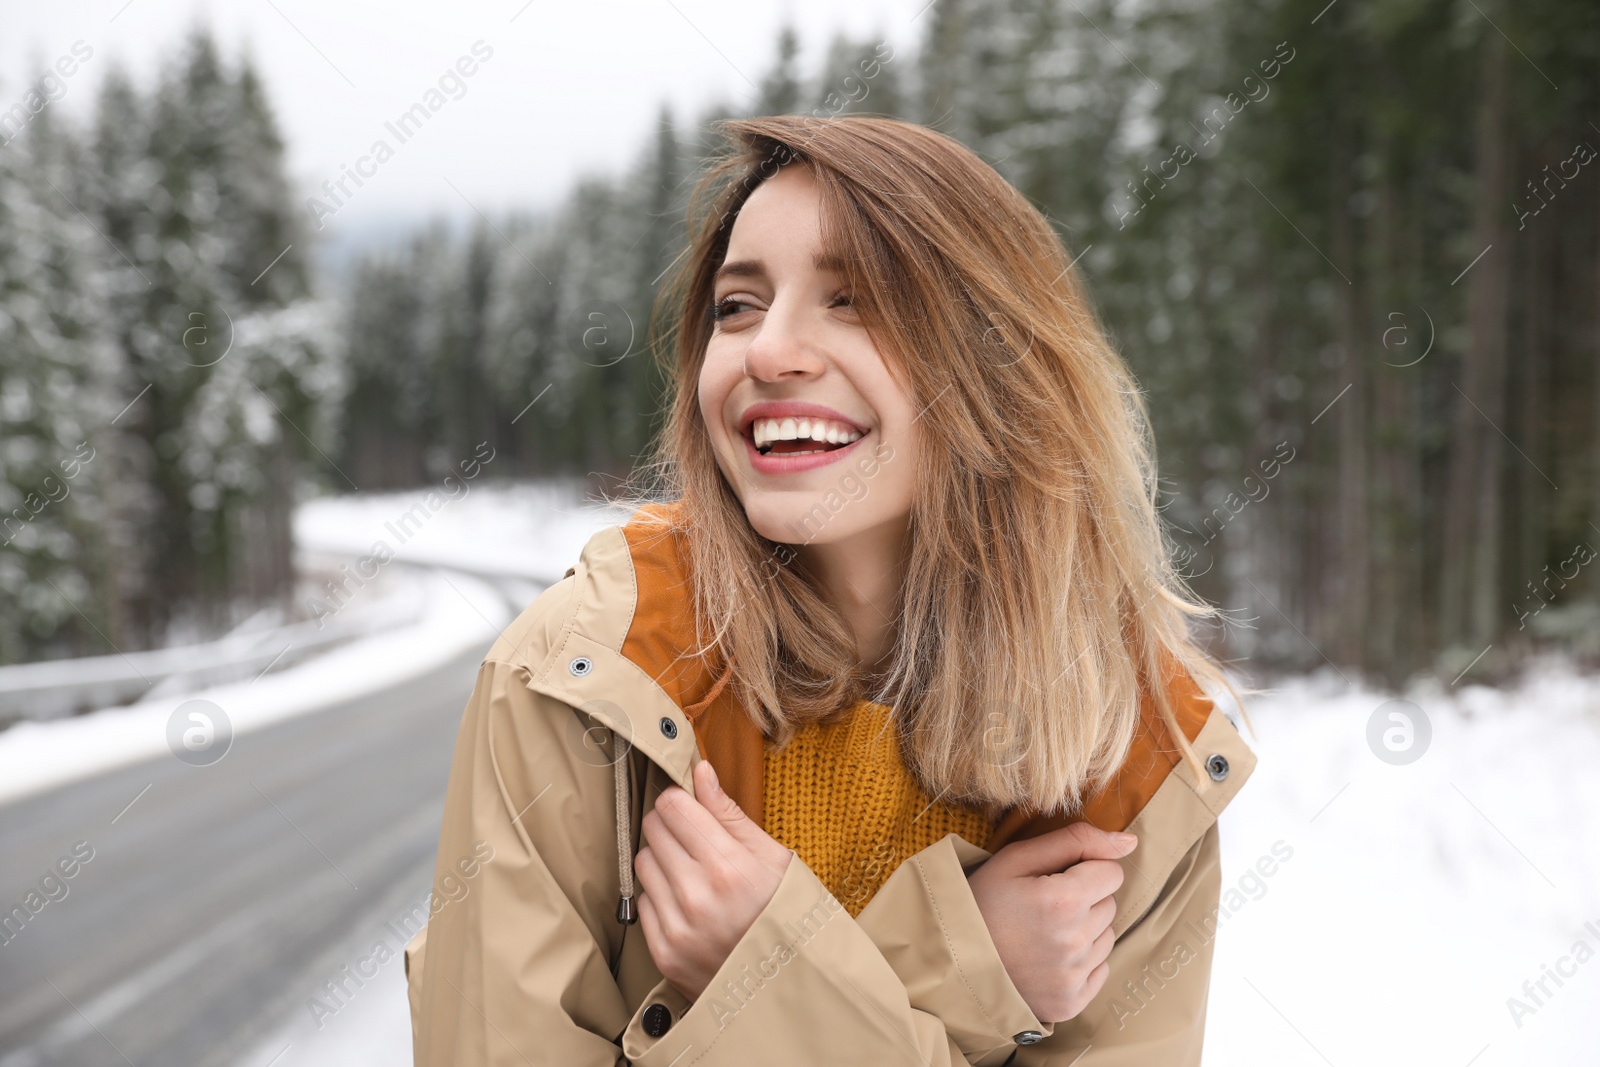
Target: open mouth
[{"x": 801, "y": 437}]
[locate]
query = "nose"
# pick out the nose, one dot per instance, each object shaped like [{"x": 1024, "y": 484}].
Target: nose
[{"x": 783, "y": 347}]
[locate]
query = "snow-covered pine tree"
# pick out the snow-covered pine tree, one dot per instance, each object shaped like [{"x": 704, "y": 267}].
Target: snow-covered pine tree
[
  {"x": 859, "y": 77},
  {"x": 780, "y": 89},
  {"x": 227, "y": 358},
  {"x": 390, "y": 412},
  {"x": 521, "y": 338},
  {"x": 58, "y": 566}
]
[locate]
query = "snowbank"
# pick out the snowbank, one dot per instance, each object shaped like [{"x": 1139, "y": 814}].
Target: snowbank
[
  {"x": 1419, "y": 897},
  {"x": 35, "y": 756}
]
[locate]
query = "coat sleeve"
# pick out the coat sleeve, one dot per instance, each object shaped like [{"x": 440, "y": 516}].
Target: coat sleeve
[
  {"x": 924, "y": 929},
  {"x": 919, "y": 981},
  {"x": 926, "y": 923},
  {"x": 1152, "y": 1009},
  {"x": 514, "y": 971},
  {"x": 807, "y": 984},
  {"x": 918, "y": 977}
]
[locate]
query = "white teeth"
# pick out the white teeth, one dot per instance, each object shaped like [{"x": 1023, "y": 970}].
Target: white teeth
[{"x": 765, "y": 431}]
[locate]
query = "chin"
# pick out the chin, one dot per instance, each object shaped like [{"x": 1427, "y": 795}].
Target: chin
[
  {"x": 776, "y": 518},
  {"x": 804, "y": 519}
]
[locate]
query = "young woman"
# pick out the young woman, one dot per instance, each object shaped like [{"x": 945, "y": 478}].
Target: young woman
[{"x": 880, "y": 741}]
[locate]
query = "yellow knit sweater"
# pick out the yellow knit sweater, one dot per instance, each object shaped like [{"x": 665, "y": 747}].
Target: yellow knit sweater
[{"x": 840, "y": 796}]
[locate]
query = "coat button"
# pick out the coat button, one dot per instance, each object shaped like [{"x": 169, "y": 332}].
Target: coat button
[
  {"x": 1028, "y": 1037},
  {"x": 657, "y": 1020},
  {"x": 1217, "y": 767},
  {"x": 669, "y": 728},
  {"x": 580, "y": 666}
]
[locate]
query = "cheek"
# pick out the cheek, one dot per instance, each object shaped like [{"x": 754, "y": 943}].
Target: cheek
[
  {"x": 897, "y": 468},
  {"x": 719, "y": 373},
  {"x": 707, "y": 391},
  {"x": 718, "y": 376}
]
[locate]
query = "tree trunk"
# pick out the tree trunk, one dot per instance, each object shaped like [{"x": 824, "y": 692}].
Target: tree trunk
[
  {"x": 1470, "y": 586},
  {"x": 1542, "y": 253},
  {"x": 1354, "y": 601},
  {"x": 1396, "y": 628}
]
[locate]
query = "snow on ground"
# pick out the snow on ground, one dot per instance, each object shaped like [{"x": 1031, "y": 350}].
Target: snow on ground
[
  {"x": 35, "y": 756},
  {"x": 1416, "y": 899},
  {"x": 533, "y": 531},
  {"x": 365, "y": 1026}
]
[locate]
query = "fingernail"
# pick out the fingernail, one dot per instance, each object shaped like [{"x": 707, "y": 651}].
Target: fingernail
[
  {"x": 715, "y": 785},
  {"x": 1120, "y": 838}
]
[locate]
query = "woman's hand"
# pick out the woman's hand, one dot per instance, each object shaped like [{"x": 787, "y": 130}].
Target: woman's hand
[
  {"x": 1047, "y": 903},
  {"x": 705, "y": 874}
]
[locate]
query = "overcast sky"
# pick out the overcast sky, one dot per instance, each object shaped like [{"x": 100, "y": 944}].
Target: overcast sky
[{"x": 570, "y": 88}]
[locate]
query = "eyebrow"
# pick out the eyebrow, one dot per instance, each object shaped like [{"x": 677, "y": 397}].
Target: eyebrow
[{"x": 754, "y": 268}]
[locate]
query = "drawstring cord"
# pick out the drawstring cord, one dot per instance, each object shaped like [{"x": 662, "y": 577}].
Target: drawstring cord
[{"x": 626, "y": 913}]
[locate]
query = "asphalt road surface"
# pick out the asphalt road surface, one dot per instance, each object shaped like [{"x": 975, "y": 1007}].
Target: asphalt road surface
[{"x": 217, "y": 898}]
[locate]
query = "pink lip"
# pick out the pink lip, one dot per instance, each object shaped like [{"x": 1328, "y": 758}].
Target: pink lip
[
  {"x": 774, "y": 463},
  {"x": 778, "y": 463}
]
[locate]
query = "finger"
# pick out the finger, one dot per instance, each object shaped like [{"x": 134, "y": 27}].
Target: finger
[
  {"x": 674, "y": 861},
  {"x": 647, "y": 917},
  {"x": 657, "y": 888},
  {"x": 686, "y": 852},
  {"x": 1100, "y": 951},
  {"x": 650, "y": 926},
  {"x": 709, "y": 792},
  {"x": 1101, "y": 913},
  {"x": 1053, "y": 852},
  {"x": 1084, "y": 995},
  {"x": 1091, "y": 879},
  {"x": 698, "y": 831},
  {"x": 1094, "y": 983}
]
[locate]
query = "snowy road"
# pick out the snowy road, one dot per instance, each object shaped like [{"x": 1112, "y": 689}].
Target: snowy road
[
  {"x": 218, "y": 898},
  {"x": 208, "y": 907}
]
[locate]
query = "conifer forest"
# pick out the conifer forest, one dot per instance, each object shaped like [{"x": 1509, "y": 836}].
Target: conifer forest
[{"x": 1352, "y": 256}]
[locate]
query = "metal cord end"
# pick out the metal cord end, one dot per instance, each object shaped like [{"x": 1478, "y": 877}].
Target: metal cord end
[{"x": 626, "y": 913}]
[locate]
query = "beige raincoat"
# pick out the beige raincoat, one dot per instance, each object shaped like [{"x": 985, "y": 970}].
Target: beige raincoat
[{"x": 583, "y": 712}]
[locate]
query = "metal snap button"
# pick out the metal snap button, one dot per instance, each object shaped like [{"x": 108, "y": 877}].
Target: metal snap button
[
  {"x": 580, "y": 666},
  {"x": 656, "y": 1019},
  {"x": 1217, "y": 767},
  {"x": 1028, "y": 1037},
  {"x": 669, "y": 728}
]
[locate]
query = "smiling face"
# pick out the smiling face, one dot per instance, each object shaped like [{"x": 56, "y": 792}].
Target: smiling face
[{"x": 813, "y": 432}]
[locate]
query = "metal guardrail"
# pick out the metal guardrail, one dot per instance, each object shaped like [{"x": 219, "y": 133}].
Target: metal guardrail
[{"x": 56, "y": 688}]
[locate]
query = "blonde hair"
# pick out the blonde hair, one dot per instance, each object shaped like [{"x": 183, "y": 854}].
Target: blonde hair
[{"x": 1040, "y": 602}]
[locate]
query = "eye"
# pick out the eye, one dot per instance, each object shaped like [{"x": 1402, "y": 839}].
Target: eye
[
  {"x": 728, "y": 305},
  {"x": 839, "y": 298}
]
